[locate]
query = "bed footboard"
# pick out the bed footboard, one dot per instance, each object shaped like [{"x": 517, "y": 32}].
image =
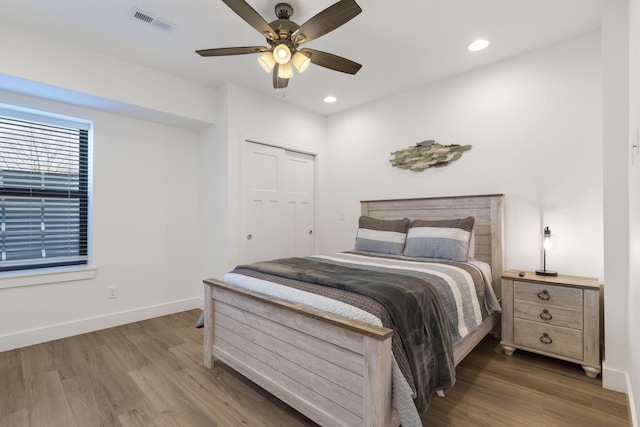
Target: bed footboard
[{"x": 334, "y": 370}]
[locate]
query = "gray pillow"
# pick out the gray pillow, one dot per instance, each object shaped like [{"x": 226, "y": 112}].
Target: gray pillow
[
  {"x": 381, "y": 236},
  {"x": 444, "y": 239}
]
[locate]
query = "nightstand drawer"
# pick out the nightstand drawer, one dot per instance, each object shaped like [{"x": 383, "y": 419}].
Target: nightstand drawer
[
  {"x": 555, "y": 340},
  {"x": 548, "y": 295},
  {"x": 549, "y": 315}
]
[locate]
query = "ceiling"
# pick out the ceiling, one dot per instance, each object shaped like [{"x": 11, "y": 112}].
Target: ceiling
[{"x": 401, "y": 44}]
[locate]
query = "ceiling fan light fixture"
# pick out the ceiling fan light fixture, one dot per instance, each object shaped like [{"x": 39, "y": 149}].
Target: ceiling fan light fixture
[
  {"x": 267, "y": 62},
  {"x": 301, "y": 61},
  {"x": 282, "y": 54},
  {"x": 283, "y": 37},
  {"x": 285, "y": 71}
]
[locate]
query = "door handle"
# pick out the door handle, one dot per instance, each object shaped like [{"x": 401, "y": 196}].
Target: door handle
[
  {"x": 310, "y": 232},
  {"x": 249, "y": 237}
]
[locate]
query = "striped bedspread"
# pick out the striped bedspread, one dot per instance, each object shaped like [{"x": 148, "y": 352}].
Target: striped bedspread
[{"x": 463, "y": 289}]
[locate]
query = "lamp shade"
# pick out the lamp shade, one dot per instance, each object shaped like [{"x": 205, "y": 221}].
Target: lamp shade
[
  {"x": 282, "y": 54},
  {"x": 546, "y": 245},
  {"x": 301, "y": 61},
  {"x": 546, "y": 240},
  {"x": 267, "y": 62},
  {"x": 285, "y": 71}
]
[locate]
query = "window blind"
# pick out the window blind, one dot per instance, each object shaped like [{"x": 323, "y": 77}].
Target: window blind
[{"x": 44, "y": 196}]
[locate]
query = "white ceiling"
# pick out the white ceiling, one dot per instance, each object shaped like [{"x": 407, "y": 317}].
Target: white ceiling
[{"x": 400, "y": 43}]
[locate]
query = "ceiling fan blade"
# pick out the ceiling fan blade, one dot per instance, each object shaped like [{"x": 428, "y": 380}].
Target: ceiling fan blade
[
  {"x": 331, "y": 61},
  {"x": 278, "y": 83},
  {"x": 327, "y": 20},
  {"x": 253, "y": 18},
  {"x": 225, "y": 51}
]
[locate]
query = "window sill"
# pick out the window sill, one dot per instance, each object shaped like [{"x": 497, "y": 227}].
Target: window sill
[{"x": 16, "y": 279}]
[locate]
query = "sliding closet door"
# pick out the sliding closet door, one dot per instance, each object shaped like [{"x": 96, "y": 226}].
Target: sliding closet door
[
  {"x": 277, "y": 203},
  {"x": 298, "y": 211}
]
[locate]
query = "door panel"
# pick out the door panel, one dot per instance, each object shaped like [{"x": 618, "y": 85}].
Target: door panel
[{"x": 264, "y": 171}]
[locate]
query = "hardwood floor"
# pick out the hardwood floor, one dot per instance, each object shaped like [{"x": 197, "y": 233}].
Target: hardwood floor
[
  {"x": 525, "y": 389},
  {"x": 151, "y": 373}
]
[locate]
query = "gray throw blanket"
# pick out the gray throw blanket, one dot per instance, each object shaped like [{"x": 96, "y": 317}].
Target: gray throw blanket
[{"x": 413, "y": 304}]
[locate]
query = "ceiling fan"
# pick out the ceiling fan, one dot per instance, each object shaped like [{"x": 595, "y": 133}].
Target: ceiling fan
[{"x": 285, "y": 36}]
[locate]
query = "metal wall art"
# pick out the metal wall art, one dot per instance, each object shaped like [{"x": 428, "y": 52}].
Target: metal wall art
[{"x": 427, "y": 154}]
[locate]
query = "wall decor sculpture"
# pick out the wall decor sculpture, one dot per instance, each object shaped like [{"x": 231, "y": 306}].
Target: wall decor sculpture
[{"x": 427, "y": 154}]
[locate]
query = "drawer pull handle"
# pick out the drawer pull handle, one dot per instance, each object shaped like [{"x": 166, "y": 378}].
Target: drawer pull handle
[
  {"x": 544, "y": 295},
  {"x": 545, "y": 338},
  {"x": 545, "y": 315}
]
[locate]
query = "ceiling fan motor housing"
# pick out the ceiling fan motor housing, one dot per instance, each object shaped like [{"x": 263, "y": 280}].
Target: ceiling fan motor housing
[{"x": 284, "y": 10}]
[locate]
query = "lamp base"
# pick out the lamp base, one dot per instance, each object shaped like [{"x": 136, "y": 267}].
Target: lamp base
[{"x": 546, "y": 273}]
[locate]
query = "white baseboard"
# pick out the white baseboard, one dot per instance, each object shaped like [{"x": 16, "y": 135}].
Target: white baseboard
[
  {"x": 613, "y": 379},
  {"x": 81, "y": 326},
  {"x": 632, "y": 406}
]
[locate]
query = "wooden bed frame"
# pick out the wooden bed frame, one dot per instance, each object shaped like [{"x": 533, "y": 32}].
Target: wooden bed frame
[{"x": 336, "y": 370}]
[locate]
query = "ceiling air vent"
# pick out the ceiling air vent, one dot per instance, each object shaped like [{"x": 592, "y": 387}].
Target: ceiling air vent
[{"x": 152, "y": 20}]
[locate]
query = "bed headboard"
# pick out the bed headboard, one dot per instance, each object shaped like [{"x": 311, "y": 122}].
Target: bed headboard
[{"x": 488, "y": 211}]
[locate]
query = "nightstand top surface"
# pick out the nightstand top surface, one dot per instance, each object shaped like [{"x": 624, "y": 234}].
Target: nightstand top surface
[{"x": 560, "y": 279}]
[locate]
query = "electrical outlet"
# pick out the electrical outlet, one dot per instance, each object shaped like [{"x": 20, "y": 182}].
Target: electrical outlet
[{"x": 113, "y": 292}]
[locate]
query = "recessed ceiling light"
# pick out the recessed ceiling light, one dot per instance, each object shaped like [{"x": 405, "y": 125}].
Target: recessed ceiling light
[
  {"x": 330, "y": 99},
  {"x": 478, "y": 45}
]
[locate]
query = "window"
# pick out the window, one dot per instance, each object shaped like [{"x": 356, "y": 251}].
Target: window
[{"x": 44, "y": 191}]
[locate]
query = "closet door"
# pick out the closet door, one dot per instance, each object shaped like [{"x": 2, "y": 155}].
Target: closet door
[
  {"x": 298, "y": 213},
  {"x": 277, "y": 203}
]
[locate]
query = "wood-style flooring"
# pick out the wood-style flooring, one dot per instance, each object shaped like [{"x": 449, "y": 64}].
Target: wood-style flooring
[{"x": 151, "y": 373}]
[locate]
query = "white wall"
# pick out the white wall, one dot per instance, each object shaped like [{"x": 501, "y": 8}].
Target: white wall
[
  {"x": 145, "y": 235},
  {"x": 616, "y": 157},
  {"x": 534, "y": 122},
  {"x": 214, "y": 189},
  {"x": 634, "y": 201}
]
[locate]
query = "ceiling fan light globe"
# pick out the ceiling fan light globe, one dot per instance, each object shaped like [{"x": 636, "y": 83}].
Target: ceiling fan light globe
[
  {"x": 285, "y": 71},
  {"x": 282, "y": 54},
  {"x": 301, "y": 61},
  {"x": 267, "y": 62}
]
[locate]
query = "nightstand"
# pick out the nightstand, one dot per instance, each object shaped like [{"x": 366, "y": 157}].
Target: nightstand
[{"x": 555, "y": 316}]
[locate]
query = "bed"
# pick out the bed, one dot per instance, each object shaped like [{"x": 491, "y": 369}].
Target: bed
[{"x": 335, "y": 368}]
